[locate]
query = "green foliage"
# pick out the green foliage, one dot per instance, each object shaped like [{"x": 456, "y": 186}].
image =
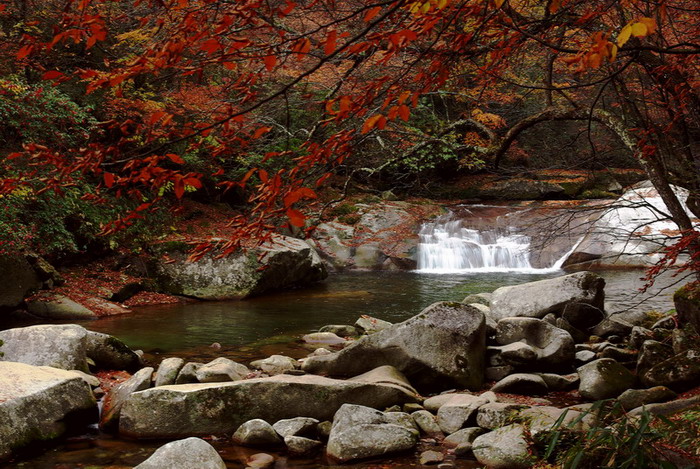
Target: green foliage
[
  {"x": 42, "y": 114},
  {"x": 342, "y": 209},
  {"x": 617, "y": 441}
]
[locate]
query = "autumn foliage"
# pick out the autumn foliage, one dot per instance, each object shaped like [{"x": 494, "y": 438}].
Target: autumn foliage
[{"x": 269, "y": 99}]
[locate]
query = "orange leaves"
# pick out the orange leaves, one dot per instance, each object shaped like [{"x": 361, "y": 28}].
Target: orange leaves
[
  {"x": 402, "y": 38},
  {"x": 211, "y": 46},
  {"x": 377, "y": 120},
  {"x": 260, "y": 132},
  {"x": 24, "y": 51},
  {"x": 641, "y": 27},
  {"x": 554, "y": 6},
  {"x": 371, "y": 13},
  {"x": 330, "y": 45},
  {"x": 498, "y": 3},
  {"x": 270, "y": 62},
  {"x": 296, "y": 218},
  {"x": 301, "y": 48}
]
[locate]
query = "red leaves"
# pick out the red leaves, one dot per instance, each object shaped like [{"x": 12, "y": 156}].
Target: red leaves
[
  {"x": 371, "y": 13},
  {"x": 296, "y": 218},
  {"x": 377, "y": 120},
  {"x": 330, "y": 44},
  {"x": 270, "y": 62},
  {"x": 52, "y": 75},
  {"x": 24, "y": 51},
  {"x": 301, "y": 48}
]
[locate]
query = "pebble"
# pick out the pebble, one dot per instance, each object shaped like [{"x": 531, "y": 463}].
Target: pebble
[
  {"x": 431, "y": 457},
  {"x": 260, "y": 461}
]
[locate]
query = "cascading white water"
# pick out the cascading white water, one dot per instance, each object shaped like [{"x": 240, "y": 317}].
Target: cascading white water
[{"x": 446, "y": 246}]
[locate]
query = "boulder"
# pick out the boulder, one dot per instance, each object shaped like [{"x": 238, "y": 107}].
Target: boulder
[
  {"x": 460, "y": 437},
  {"x": 504, "y": 448},
  {"x": 58, "y": 346},
  {"x": 427, "y": 423},
  {"x": 341, "y": 330},
  {"x": 281, "y": 263},
  {"x": 298, "y": 426},
  {"x": 115, "y": 398},
  {"x": 521, "y": 383},
  {"x": 480, "y": 298},
  {"x": 369, "y": 325},
  {"x": 684, "y": 339},
  {"x": 256, "y": 433},
  {"x": 537, "y": 299},
  {"x": 430, "y": 457},
  {"x": 275, "y": 364},
  {"x": 680, "y": 372},
  {"x": 168, "y": 371},
  {"x": 639, "y": 335},
  {"x": 553, "y": 347},
  {"x": 300, "y": 446},
  {"x": 184, "y": 454},
  {"x": 221, "y": 370},
  {"x": 110, "y": 353},
  {"x": 188, "y": 373},
  {"x": 325, "y": 338},
  {"x": 388, "y": 376},
  {"x": 442, "y": 346},
  {"x": 557, "y": 382},
  {"x": 496, "y": 414},
  {"x": 215, "y": 408},
  {"x": 39, "y": 403},
  {"x": 542, "y": 419},
  {"x": 402, "y": 419},
  {"x": 434, "y": 403},
  {"x": 453, "y": 416},
  {"x": 687, "y": 302},
  {"x": 518, "y": 353},
  {"x": 54, "y": 306},
  {"x": 651, "y": 354},
  {"x": 17, "y": 280},
  {"x": 633, "y": 398},
  {"x": 604, "y": 379},
  {"x": 360, "y": 433},
  {"x": 612, "y": 326},
  {"x": 583, "y": 316}
]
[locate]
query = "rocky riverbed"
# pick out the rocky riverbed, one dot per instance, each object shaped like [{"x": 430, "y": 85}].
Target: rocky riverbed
[{"x": 481, "y": 380}]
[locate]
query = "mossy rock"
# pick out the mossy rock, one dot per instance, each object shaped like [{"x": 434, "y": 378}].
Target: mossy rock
[{"x": 687, "y": 301}]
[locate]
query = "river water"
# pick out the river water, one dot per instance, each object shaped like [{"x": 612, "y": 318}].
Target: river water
[{"x": 257, "y": 328}]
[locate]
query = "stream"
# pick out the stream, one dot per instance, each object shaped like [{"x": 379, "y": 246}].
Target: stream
[{"x": 257, "y": 328}]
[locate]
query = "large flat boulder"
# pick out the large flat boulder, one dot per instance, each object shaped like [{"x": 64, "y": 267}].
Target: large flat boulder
[
  {"x": 281, "y": 263},
  {"x": 537, "y": 299},
  {"x": 59, "y": 346},
  {"x": 40, "y": 403},
  {"x": 178, "y": 411},
  {"x": 442, "y": 347}
]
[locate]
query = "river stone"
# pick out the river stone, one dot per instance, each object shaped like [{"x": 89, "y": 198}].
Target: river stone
[
  {"x": 497, "y": 373},
  {"x": 504, "y": 448},
  {"x": 684, "y": 339},
  {"x": 541, "y": 419},
  {"x": 402, "y": 419},
  {"x": 667, "y": 408},
  {"x": 490, "y": 322},
  {"x": 434, "y": 403},
  {"x": 184, "y": 454},
  {"x": 554, "y": 347},
  {"x": 496, "y": 414},
  {"x": 341, "y": 330},
  {"x": 276, "y": 364},
  {"x": 300, "y": 446},
  {"x": 168, "y": 371},
  {"x": 583, "y": 316},
  {"x": 431, "y": 457},
  {"x": 283, "y": 262},
  {"x": 633, "y": 398},
  {"x": 215, "y": 408},
  {"x": 298, "y": 426},
  {"x": 687, "y": 302},
  {"x": 326, "y": 338},
  {"x": 188, "y": 373},
  {"x": 619, "y": 354},
  {"x": 256, "y": 433},
  {"x": 651, "y": 354},
  {"x": 604, "y": 379},
  {"x": 110, "y": 353},
  {"x": 17, "y": 280},
  {"x": 451, "y": 417},
  {"x": 427, "y": 423},
  {"x": 521, "y": 383},
  {"x": 369, "y": 325},
  {"x": 556, "y": 382},
  {"x": 481, "y": 298},
  {"x": 680, "y": 372},
  {"x": 387, "y": 375},
  {"x": 39, "y": 403},
  {"x": 58, "y": 346},
  {"x": 260, "y": 461},
  {"x": 114, "y": 400},
  {"x": 460, "y": 437},
  {"x": 221, "y": 370},
  {"x": 585, "y": 356},
  {"x": 639, "y": 335},
  {"x": 442, "y": 346},
  {"x": 518, "y": 353},
  {"x": 360, "y": 433},
  {"x": 54, "y": 306},
  {"x": 537, "y": 299},
  {"x": 577, "y": 334}
]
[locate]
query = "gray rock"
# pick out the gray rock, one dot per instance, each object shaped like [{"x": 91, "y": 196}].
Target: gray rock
[
  {"x": 214, "y": 408},
  {"x": 300, "y": 446},
  {"x": 341, "y": 330},
  {"x": 537, "y": 299},
  {"x": 577, "y": 334},
  {"x": 554, "y": 347},
  {"x": 497, "y": 373},
  {"x": 490, "y": 322},
  {"x": 639, "y": 335},
  {"x": 260, "y": 461},
  {"x": 680, "y": 372},
  {"x": 496, "y": 414},
  {"x": 651, "y": 354},
  {"x": 360, "y": 434},
  {"x": 184, "y": 454},
  {"x": 117, "y": 396},
  {"x": 17, "y": 280},
  {"x": 684, "y": 339},
  {"x": 369, "y": 325},
  {"x": 583, "y": 316},
  {"x": 40, "y": 403},
  {"x": 298, "y": 426},
  {"x": 276, "y": 364},
  {"x": 442, "y": 346},
  {"x": 256, "y": 433},
  {"x": 427, "y": 423},
  {"x": 402, "y": 419},
  {"x": 434, "y": 403},
  {"x": 518, "y": 353},
  {"x": 542, "y": 419},
  {"x": 481, "y": 298},
  {"x": 168, "y": 371},
  {"x": 687, "y": 302},
  {"x": 453, "y": 416},
  {"x": 221, "y": 370},
  {"x": 556, "y": 382},
  {"x": 58, "y": 346},
  {"x": 504, "y": 448},
  {"x": 54, "y": 306},
  {"x": 386, "y": 375},
  {"x": 603, "y": 379},
  {"x": 324, "y": 429},
  {"x": 619, "y": 354},
  {"x": 521, "y": 383},
  {"x": 431, "y": 457},
  {"x": 110, "y": 353},
  {"x": 612, "y": 326},
  {"x": 188, "y": 373},
  {"x": 281, "y": 263},
  {"x": 667, "y": 322},
  {"x": 326, "y": 338},
  {"x": 585, "y": 356},
  {"x": 667, "y": 408},
  {"x": 460, "y": 437},
  {"x": 633, "y": 398}
]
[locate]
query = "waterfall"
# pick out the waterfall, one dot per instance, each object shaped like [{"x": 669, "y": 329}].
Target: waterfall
[{"x": 447, "y": 246}]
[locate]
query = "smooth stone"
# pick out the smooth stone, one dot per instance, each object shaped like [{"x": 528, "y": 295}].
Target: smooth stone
[
  {"x": 276, "y": 364},
  {"x": 260, "y": 461},
  {"x": 116, "y": 397},
  {"x": 221, "y": 370},
  {"x": 554, "y": 347},
  {"x": 542, "y": 419},
  {"x": 58, "y": 307},
  {"x": 585, "y": 356},
  {"x": 521, "y": 383},
  {"x": 168, "y": 371},
  {"x": 460, "y": 437},
  {"x": 583, "y": 316},
  {"x": 57, "y": 346},
  {"x": 341, "y": 330},
  {"x": 188, "y": 373},
  {"x": 431, "y": 457},
  {"x": 652, "y": 353},
  {"x": 619, "y": 354},
  {"x": 603, "y": 379},
  {"x": 680, "y": 372},
  {"x": 518, "y": 353},
  {"x": 504, "y": 448},
  {"x": 497, "y": 373},
  {"x": 184, "y": 454},
  {"x": 666, "y": 408},
  {"x": 369, "y": 325},
  {"x": 402, "y": 419},
  {"x": 497, "y": 414},
  {"x": 298, "y": 426},
  {"x": 110, "y": 353},
  {"x": 300, "y": 446},
  {"x": 327, "y": 338},
  {"x": 633, "y": 398},
  {"x": 452, "y": 417},
  {"x": 612, "y": 326},
  {"x": 480, "y": 298},
  {"x": 556, "y": 382},
  {"x": 427, "y": 423},
  {"x": 256, "y": 433}
]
